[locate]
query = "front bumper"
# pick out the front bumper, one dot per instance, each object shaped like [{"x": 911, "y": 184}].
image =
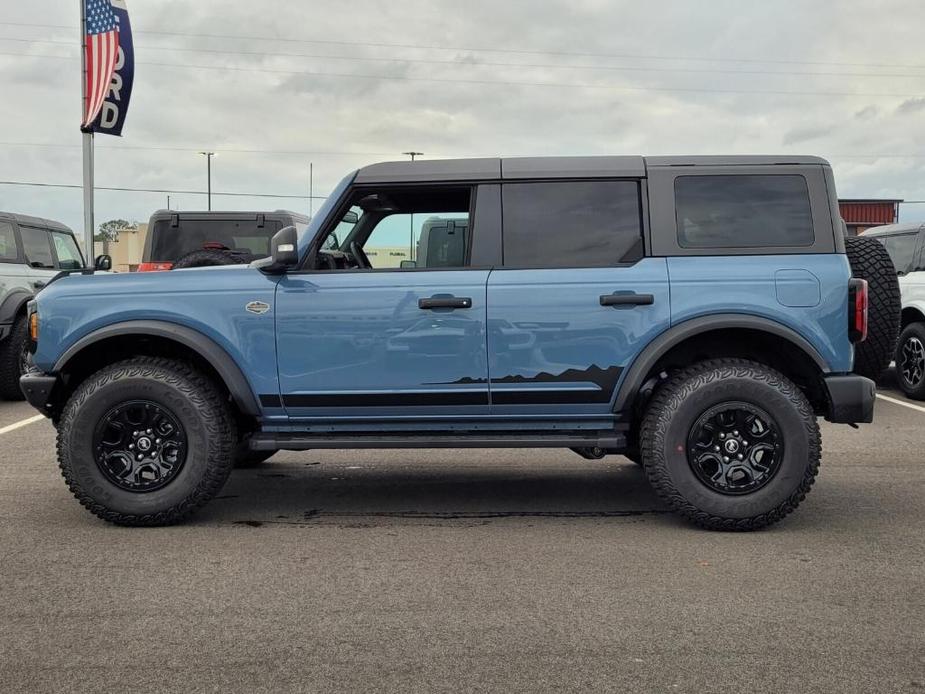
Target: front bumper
[
  {"x": 37, "y": 387},
  {"x": 851, "y": 399}
]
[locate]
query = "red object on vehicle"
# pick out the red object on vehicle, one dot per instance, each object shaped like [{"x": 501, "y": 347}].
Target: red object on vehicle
[
  {"x": 154, "y": 267},
  {"x": 857, "y": 310},
  {"x": 214, "y": 246}
]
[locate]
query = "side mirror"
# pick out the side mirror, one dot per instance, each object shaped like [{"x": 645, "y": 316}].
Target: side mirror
[
  {"x": 351, "y": 217},
  {"x": 406, "y": 264},
  {"x": 284, "y": 251},
  {"x": 103, "y": 263}
]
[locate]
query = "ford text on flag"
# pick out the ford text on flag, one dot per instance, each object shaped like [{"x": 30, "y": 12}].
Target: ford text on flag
[{"x": 102, "y": 51}]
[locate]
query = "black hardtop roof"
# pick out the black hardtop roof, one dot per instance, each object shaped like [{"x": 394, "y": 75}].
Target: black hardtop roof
[
  {"x": 35, "y": 221},
  {"x": 227, "y": 214},
  {"x": 519, "y": 168}
]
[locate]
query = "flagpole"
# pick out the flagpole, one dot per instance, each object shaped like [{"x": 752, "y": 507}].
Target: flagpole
[{"x": 87, "y": 142}]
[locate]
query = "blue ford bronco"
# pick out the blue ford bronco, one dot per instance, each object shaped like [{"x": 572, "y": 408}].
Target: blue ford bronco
[{"x": 695, "y": 314}]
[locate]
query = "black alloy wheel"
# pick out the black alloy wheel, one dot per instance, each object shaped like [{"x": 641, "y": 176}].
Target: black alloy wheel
[
  {"x": 140, "y": 446},
  {"x": 735, "y": 448}
]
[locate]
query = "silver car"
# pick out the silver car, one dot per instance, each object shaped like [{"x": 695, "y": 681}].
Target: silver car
[{"x": 32, "y": 251}]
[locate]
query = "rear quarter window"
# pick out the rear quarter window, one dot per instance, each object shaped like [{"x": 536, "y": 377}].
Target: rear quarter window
[
  {"x": 9, "y": 253},
  {"x": 744, "y": 211},
  {"x": 901, "y": 248}
]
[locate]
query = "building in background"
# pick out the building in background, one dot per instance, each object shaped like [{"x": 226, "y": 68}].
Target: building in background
[
  {"x": 127, "y": 248},
  {"x": 860, "y": 215}
]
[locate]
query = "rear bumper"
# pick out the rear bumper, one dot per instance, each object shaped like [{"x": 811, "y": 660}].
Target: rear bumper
[
  {"x": 851, "y": 399},
  {"x": 37, "y": 388}
]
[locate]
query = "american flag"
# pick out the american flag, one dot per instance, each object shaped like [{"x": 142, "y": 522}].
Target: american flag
[{"x": 102, "y": 53}]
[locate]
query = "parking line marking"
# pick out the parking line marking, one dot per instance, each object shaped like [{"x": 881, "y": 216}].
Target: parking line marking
[
  {"x": 26, "y": 422},
  {"x": 919, "y": 408}
]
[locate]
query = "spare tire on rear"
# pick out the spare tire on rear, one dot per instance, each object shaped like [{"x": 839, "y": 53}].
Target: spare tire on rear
[
  {"x": 211, "y": 257},
  {"x": 870, "y": 261}
]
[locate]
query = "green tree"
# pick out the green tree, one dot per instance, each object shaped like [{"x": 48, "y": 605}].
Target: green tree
[{"x": 109, "y": 231}]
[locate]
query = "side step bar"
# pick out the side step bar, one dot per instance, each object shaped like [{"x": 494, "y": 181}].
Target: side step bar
[{"x": 275, "y": 441}]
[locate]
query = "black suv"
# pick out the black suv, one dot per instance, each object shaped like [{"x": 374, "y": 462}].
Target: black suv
[{"x": 192, "y": 239}]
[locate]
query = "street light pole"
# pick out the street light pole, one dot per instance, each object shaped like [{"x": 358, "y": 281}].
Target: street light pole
[
  {"x": 414, "y": 154},
  {"x": 208, "y": 156}
]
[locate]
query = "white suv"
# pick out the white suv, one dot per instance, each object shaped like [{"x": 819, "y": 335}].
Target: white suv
[
  {"x": 905, "y": 242},
  {"x": 32, "y": 251}
]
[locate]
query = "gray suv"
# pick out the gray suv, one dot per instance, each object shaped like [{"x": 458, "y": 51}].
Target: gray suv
[{"x": 32, "y": 251}]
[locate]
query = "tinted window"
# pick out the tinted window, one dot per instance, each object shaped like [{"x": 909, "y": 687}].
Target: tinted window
[
  {"x": 571, "y": 223},
  {"x": 901, "y": 249},
  {"x": 8, "y": 250},
  {"x": 69, "y": 257},
  {"x": 36, "y": 247},
  {"x": 170, "y": 243},
  {"x": 743, "y": 211}
]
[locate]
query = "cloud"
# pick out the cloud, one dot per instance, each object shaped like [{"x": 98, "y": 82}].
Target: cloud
[
  {"x": 798, "y": 135},
  {"x": 911, "y": 106}
]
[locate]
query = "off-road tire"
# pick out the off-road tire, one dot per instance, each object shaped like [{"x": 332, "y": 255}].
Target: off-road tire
[
  {"x": 11, "y": 360},
  {"x": 916, "y": 391},
  {"x": 210, "y": 258},
  {"x": 870, "y": 261},
  {"x": 194, "y": 400},
  {"x": 683, "y": 398}
]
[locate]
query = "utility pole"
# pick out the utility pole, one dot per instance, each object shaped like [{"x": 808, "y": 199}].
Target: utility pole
[
  {"x": 311, "y": 187},
  {"x": 414, "y": 154},
  {"x": 208, "y": 156},
  {"x": 168, "y": 202}
]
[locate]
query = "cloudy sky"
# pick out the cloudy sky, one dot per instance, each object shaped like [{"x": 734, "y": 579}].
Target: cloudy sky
[{"x": 274, "y": 86}]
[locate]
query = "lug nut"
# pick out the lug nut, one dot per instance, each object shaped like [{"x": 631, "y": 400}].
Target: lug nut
[
  {"x": 740, "y": 456},
  {"x": 157, "y": 440},
  {"x": 149, "y": 431},
  {"x": 735, "y": 433},
  {"x": 716, "y": 448},
  {"x": 725, "y": 459},
  {"x": 140, "y": 456},
  {"x": 722, "y": 435}
]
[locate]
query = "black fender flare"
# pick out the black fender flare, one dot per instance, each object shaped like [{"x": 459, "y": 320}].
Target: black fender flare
[
  {"x": 12, "y": 304},
  {"x": 698, "y": 326},
  {"x": 204, "y": 346}
]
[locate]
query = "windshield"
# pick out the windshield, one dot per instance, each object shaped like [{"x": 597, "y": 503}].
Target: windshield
[{"x": 69, "y": 256}]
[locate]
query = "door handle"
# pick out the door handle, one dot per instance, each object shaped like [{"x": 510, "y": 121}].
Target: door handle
[
  {"x": 38, "y": 284},
  {"x": 445, "y": 302},
  {"x": 627, "y": 299}
]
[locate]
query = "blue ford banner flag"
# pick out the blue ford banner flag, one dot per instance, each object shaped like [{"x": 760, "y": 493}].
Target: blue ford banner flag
[{"x": 111, "y": 117}]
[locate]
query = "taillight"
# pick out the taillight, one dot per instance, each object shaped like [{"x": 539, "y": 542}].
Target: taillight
[
  {"x": 154, "y": 267},
  {"x": 857, "y": 310}
]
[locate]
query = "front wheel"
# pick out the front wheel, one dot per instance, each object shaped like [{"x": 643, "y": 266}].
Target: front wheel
[
  {"x": 730, "y": 444},
  {"x": 910, "y": 361},
  {"x": 146, "y": 442}
]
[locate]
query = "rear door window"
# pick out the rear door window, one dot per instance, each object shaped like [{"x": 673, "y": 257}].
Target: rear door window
[
  {"x": 172, "y": 242},
  {"x": 743, "y": 211},
  {"x": 571, "y": 224},
  {"x": 36, "y": 247},
  {"x": 9, "y": 253}
]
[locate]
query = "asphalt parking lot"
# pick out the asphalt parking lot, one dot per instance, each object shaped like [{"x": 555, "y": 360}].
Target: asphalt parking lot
[{"x": 467, "y": 571}]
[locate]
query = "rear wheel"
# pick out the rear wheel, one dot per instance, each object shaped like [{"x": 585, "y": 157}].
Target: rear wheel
[
  {"x": 910, "y": 361},
  {"x": 870, "y": 261},
  {"x": 14, "y": 360},
  {"x": 146, "y": 442},
  {"x": 730, "y": 444}
]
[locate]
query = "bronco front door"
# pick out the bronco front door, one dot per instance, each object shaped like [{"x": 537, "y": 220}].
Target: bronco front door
[{"x": 387, "y": 324}]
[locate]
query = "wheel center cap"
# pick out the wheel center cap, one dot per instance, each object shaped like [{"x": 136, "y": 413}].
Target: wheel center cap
[
  {"x": 732, "y": 446},
  {"x": 144, "y": 444}
]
